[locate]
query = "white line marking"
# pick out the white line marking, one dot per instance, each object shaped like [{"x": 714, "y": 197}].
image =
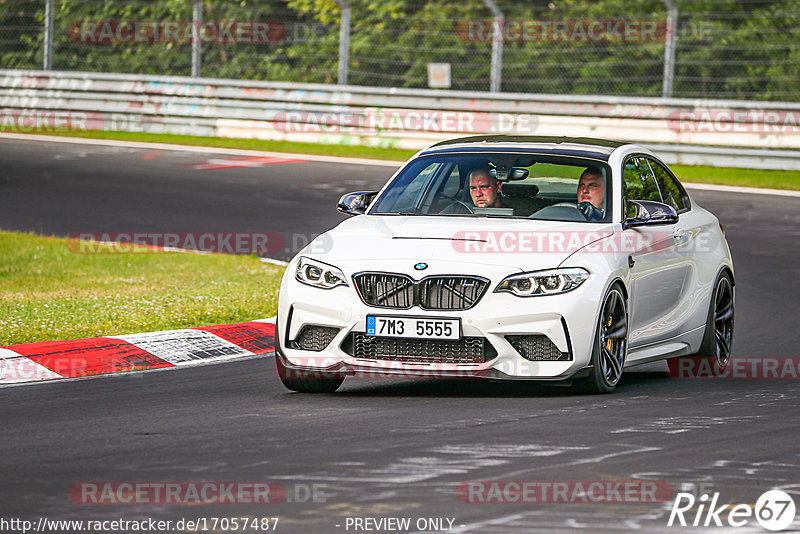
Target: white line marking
[
  {"x": 737, "y": 189},
  {"x": 495, "y": 522},
  {"x": 633, "y": 449},
  {"x": 275, "y": 262},
  {"x": 326, "y": 159},
  {"x": 200, "y": 149},
  {"x": 8, "y": 353},
  {"x": 16, "y": 368}
]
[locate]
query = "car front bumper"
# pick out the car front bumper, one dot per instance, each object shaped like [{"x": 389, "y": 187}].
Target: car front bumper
[{"x": 567, "y": 320}]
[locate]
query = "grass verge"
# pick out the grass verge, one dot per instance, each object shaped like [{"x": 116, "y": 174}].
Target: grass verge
[
  {"x": 49, "y": 291},
  {"x": 686, "y": 173},
  {"x": 741, "y": 177},
  {"x": 352, "y": 151}
]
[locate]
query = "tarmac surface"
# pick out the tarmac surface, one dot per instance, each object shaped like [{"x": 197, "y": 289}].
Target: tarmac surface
[{"x": 381, "y": 448}]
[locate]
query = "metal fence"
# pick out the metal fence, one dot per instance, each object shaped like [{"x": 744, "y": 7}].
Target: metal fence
[
  {"x": 746, "y": 49},
  {"x": 708, "y": 132}
]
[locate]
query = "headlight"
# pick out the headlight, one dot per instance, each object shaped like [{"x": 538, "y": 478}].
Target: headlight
[
  {"x": 318, "y": 274},
  {"x": 544, "y": 282}
]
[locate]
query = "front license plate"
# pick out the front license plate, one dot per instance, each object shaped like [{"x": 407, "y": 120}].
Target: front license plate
[{"x": 413, "y": 327}]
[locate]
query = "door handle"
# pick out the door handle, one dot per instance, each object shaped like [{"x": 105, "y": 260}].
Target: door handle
[{"x": 678, "y": 233}]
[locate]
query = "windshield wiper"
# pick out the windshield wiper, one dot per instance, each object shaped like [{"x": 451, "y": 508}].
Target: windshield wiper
[{"x": 396, "y": 213}]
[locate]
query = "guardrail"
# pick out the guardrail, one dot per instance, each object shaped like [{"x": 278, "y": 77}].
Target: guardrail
[{"x": 710, "y": 132}]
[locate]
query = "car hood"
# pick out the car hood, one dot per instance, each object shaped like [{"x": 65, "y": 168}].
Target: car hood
[{"x": 449, "y": 244}]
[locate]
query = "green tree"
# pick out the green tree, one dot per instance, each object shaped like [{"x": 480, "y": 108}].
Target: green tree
[{"x": 725, "y": 48}]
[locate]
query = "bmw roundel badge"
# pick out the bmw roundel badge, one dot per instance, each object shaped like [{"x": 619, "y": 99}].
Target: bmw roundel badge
[{"x": 421, "y": 266}]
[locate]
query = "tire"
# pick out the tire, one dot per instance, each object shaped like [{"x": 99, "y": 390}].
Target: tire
[
  {"x": 715, "y": 350},
  {"x": 610, "y": 344},
  {"x": 304, "y": 381},
  {"x": 307, "y": 381}
]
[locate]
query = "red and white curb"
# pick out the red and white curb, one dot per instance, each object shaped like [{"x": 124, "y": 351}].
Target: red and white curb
[{"x": 79, "y": 358}]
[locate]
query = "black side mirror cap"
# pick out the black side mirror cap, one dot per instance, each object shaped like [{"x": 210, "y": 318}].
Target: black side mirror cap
[
  {"x": 355, "y": 203},
  {"x": 651, "y": 213}
]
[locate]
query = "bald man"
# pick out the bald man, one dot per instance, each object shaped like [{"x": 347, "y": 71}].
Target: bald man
[{"x": 484, "y": 189}]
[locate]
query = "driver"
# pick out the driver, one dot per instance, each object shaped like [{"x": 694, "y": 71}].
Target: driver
[
  {"x": 592, "y": 194},
  {"x": 484, "y": 189}
]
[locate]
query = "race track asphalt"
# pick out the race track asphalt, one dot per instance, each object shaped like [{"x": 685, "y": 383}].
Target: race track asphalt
[{"x": 380, "y": 448}]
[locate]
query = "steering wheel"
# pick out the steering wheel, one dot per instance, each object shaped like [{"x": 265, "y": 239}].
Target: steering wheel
[
  {"x": 465, "y": 205},
  {"x": 452, "y": 208}
]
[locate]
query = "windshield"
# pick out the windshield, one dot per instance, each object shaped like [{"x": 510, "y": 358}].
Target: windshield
[{"x": 500, "y": 185}]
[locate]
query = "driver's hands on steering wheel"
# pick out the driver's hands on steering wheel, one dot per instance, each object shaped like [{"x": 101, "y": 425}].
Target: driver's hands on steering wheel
[{"x": 591, "y": 212}]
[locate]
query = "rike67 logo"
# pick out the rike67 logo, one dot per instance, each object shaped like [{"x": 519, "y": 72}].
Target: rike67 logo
[{"x": 774, "y": 510}]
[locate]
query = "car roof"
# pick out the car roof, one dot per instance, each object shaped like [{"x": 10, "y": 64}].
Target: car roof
[{"x": 566, "y": 146}]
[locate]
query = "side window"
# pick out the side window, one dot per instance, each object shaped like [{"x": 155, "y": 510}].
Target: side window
[
  {"x": 407, "y": 195},
  {"x": 640, "y": 183},
  {"x": 671, "y": 191},
  {"x": 650, "y": 190},
  {"x": 445, "y": 185},
  {"x": 453, "y": 184}
]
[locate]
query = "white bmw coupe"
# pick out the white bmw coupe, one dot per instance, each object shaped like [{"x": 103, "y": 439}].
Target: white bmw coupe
[{"x": 510, "y": 258}]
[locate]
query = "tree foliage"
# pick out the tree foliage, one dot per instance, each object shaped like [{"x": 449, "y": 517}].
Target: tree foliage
[{"x": 725, "y": 48}]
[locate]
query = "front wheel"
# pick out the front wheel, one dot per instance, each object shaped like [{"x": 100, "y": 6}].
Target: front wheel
[{"x": 610, "y": 344}]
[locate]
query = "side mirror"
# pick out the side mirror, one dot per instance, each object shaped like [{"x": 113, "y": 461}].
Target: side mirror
[
  {"x": 650, "y": 213},
  {"x": 355, "y": 203}
]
